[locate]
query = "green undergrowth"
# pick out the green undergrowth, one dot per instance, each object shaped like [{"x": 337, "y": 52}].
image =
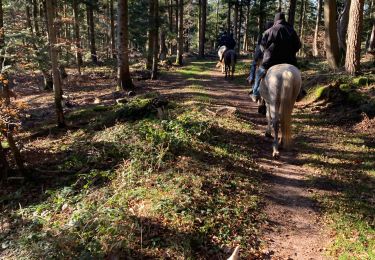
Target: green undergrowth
[
  {"x": 197, "y": 68},
  {"x": 182, "y": 187},
  {"x": 344, "y": 167},
  {"x": 350, "y": 93}
]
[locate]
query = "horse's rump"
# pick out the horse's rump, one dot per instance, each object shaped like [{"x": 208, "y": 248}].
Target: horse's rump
[
  {"x": 221, "y": 51},
  {"x": 280, "y": 89}
]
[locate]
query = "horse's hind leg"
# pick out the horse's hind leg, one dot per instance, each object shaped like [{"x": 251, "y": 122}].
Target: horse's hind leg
[
  {"x": 269, "y": 121},
  {"x": 275, "y": 145}
]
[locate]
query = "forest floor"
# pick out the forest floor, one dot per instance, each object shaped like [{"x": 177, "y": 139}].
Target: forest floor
[{"x": 119, "y": 181}]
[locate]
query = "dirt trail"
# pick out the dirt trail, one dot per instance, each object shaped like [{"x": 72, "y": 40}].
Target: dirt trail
[{"x": 293, "y": 229}]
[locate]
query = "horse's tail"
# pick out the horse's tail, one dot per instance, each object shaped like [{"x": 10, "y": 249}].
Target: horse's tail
[{"x": 289, "y": 92}]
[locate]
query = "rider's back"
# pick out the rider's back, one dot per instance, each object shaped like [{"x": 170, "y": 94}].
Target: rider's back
[{"x": 281, "y": 44}]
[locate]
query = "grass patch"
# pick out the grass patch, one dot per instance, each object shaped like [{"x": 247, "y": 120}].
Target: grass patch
[
  {"x": 345, "y": 166},
  {"x": 143, "y": 187}
]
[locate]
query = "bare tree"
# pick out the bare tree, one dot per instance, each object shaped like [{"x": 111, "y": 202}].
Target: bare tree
[
  {"x": 353, "y": 54},
  {"x": 331, "y": 41}
]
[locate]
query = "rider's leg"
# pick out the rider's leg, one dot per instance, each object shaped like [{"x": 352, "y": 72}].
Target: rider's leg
[
  {"x": 251, "y": 77},
  {"x": 259, "y": 75}
]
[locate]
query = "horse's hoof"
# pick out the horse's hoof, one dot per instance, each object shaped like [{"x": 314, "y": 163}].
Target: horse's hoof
[
  {"x": 268, "y": 135},
  {"x": 276, "y": 155}
]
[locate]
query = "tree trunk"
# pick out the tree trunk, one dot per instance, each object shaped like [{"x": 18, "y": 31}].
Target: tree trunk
[
  {"x": 113, "y": 40},
  {"x": 371, "y": 45},
  {"x": 229, "y": 22},
  {"x": 15, "y": 151},
  {"x": 77, "y": 36},
  {"x": 331, "y": 41},
  {"x": 151, "y": 34},
  {"x": 246, "y": 35},
  {"x": 154, "y": 72},
  {"x": 261, "y": 17},
  {"x": 54, "y": 62},
  {"x": 123, "y": 72},
  {"x": 2, "y": 34},
  {"x": 353, "y": 54},
  {"x": 280, "y": 6},
  {"x": 235, "y": 22},
  {"x": 238, "y": 48},
  {"x": 180, "y": 48},
  {"x": 176, "y": 26},
  {"x": 301, "y": 13},
  {"x": 292, "y": 11},
  {"x": 301, "y": 29},
  {"x": 202, "y": 28},
  {"x": 29, "y": 24},
  {"x": 35, "y": 16},
  {"x": 217, "y": 22},
  {"x": 316, "y": 32},
  {"x": 91, "y": 25},
  {"x": 342, "y": 29},
  {"x": 370, "y": 38},
  {"x": 43, "y": 17},
  {"x": 163, "y": 46},
  {"x": 4, "y": 166}
]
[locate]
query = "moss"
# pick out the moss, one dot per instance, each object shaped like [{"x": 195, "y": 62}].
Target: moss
[
  {"x": 101, "y": 108},
  {"x": 320, "y": 92},
  {"x": 345, "y": 87},
  {"x": 360, "y": 81}
]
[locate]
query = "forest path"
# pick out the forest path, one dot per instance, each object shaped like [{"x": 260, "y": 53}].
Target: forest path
[{"x": 293, "y": 229}]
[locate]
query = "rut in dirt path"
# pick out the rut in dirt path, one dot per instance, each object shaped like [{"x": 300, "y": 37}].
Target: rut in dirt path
[{"x": 293, "y": 229}]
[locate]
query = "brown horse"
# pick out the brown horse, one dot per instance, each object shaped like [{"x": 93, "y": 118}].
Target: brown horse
[{"x": 228, "y": 63}]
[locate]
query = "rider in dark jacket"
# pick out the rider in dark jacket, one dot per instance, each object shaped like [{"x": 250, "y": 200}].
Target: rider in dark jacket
[
  {"x": 280, "y": 44},
  {"x": 228, "y": 41},
  {"x": 258, "y": 55}
]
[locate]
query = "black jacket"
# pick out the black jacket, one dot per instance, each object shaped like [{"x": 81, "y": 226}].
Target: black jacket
[
  {"x": 280, "y": 44},
  {"x": 227, "y": 40}
]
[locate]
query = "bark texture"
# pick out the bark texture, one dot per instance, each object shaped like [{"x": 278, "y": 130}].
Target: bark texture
[
  {"x": 331, "y": 41},
  {"x": 353, "y": 54},
  {"x": 202, "y": 27},
  {"x": 342, "y": 28}
]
